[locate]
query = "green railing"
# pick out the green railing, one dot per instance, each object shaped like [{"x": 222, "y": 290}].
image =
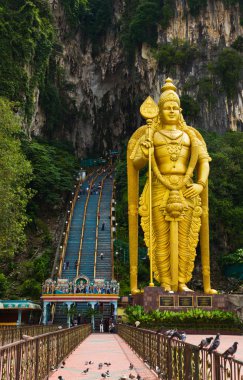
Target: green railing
[
  {"x": 173, "y": 359},
  {"x": 33, "y": 359},
  {"x": 10, "y": 335}
]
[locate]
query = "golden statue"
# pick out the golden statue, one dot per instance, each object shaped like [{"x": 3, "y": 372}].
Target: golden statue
[{"x": 173, "y": 208}]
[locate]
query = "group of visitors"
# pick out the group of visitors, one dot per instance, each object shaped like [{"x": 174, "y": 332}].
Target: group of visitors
[{"x": 111, "y": 326}]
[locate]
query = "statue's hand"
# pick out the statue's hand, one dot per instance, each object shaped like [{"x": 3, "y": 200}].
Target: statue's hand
[
  {"x": 193, "y": 189},
  {"x": 145, "y": 145}
]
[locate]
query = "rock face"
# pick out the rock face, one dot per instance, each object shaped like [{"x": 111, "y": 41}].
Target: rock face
[{"x": 107, "y": 92}]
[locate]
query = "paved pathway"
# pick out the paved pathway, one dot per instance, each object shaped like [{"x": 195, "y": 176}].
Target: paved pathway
[{"x": 100, "y": 348}]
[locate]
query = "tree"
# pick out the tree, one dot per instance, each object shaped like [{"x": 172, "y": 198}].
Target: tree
[{"x": 15, "y": 174}]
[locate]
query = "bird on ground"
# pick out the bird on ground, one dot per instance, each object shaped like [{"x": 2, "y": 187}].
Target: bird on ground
[
  {"x": 86, "y": 363},
  {"x": 86, "y": 370},
  {"x": 139, "y": 377},
  {"x": 131, "y": 376},
  {"x": 100, "y": 365},
  {"x": 205, "y": 342},
  {"x": 107, "y": 364},
  {"x": 231, "y": 350},
  {"x": 63, "y": 364},
  {"x": 131, "y": 366},
  {"x": 60, "y": 378},
  {"x": 108, "y": 373},
  {"x": 90, "y": 362},
  {"x": 103, "y": 375},
  {"x": 215, "y": 344}
]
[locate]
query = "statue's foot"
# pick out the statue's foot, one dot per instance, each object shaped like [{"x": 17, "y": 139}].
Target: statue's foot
[
  {"x": 135, "y": 291},
  {"x": 210, "y": 291},
  {"x": 166, "y": 287},
  {"x": 183, "y": 288}
]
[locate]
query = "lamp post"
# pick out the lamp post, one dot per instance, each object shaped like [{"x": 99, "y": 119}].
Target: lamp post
[{"x": 117, "y": 262}]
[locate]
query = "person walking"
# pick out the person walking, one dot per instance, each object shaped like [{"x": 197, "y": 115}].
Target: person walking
[
  {"x": 101, "y": 326},
  {"x": 101, "y": 255}
]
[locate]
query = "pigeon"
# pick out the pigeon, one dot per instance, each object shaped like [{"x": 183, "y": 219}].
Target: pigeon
[
  {"x": 169, "y": 332},
  {"x": 108, "y": 373},
  {"x": 27, "y": 337},
  {"x": 215, "y": 344},
  {"x": 86, "y": 370},
  {"x": 205, "y": 342},
  {"x": 107, "y": 364},
  {"x": 131, "y": 376},
  {"x": 100, "y": 365},
  {"x": 231, "y": 350},
  {"x": 60, "y": 378},
  {"x": 90, "y": 362},
  {"x": 178, "y": 335},
  {"x": 131, "y": 366},
  {"x": 103, "y": 375}
]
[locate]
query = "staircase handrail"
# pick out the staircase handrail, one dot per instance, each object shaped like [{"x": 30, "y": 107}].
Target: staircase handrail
[
  {"x": 112, "y": 238},
  {"x": 97, "y": 224},
  {"x": 83, "y": 224},
  {"x": 68, "y": 222}
]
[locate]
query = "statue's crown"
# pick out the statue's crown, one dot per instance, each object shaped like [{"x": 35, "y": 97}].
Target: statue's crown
[{"x": 168, "y": 93}]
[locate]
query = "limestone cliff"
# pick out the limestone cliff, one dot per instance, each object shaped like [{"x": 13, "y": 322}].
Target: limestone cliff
[{"x": 106, "y": 91}]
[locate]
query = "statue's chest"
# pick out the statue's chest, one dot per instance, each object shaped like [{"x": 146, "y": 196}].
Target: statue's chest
[{"x": 171, "y": 146}]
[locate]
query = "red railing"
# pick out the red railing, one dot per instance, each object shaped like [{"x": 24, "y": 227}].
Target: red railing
[
  {"x": 173, "y": 359},
  {"x": 33, "y": 359}
]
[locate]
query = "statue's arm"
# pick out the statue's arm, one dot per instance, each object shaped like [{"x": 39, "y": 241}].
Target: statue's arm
[
  {"x": 139, "y": 154},
  {"x": 203, "y": 172}
]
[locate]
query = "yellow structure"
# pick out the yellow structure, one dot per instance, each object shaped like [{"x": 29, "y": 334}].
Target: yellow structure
[{"x": 174, "y": 203}]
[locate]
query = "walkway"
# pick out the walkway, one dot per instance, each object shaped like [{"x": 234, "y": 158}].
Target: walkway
[{"x": 100, "y": 348}]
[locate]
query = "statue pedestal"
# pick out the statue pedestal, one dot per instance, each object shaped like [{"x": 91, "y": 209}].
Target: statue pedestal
[{"x": 156, "y": 298}]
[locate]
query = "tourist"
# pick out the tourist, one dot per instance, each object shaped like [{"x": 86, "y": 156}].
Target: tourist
[
  {"x": 101, "y": 326},
  {"x": 101, "y": 255},
  {"x": 103, "y": 226}
]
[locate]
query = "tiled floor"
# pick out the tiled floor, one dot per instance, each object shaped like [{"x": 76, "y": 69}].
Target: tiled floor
[{"x": 100, "y": 348}]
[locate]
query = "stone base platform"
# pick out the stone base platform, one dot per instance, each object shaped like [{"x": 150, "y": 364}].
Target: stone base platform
[{"x": 156, "y": 298}]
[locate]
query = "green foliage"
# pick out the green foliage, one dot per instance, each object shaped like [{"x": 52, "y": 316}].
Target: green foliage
[
  {"x": 207, "y": 90},
  {"x": 93, "y": 17},
  {"x": 196, "y": 6},
  {"x": 15, "y": 174},
  {"x": 238, "y": 44},
  {"x": 25, "y": 44},
  {"x": 60, "y": 108},
  {"x": 177, "y": 52},
  {"x": 225, "y": 196},
  {"x": 190, "y": 107},
  {"x": 233, "y": 258},
  {"x": 31, "y": 288},
  {"x": 54, "y": 168},
  {"x": 3, "y": 284},
  {"x": 228, "y": 67},
  {"x": 141, "y": 20},
  {"x": 194, "y": 318}
]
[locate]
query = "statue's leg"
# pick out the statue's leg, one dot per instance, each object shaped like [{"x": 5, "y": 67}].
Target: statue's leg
[
  {"x": 188, "y": 239},
  {"x": 162, "y": 256}
]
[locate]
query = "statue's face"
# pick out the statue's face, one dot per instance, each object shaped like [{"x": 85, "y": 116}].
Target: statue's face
[{"x": 170, "y": 113}]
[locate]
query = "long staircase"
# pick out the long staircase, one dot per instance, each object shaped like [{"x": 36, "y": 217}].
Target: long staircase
[
  {"x": 87, "y": 239},
  {"x": 104, "y": 264},
  {"x": 87, "y": 262}
]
